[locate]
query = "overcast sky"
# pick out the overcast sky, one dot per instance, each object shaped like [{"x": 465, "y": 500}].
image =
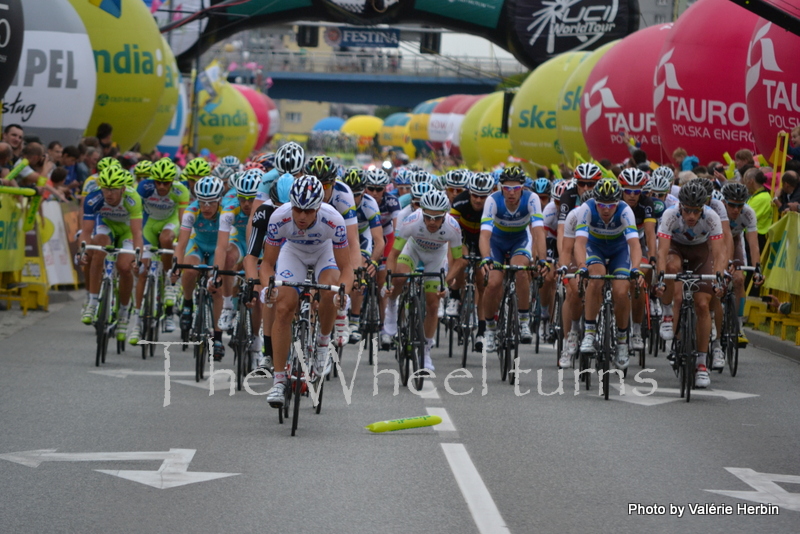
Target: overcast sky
[{"x": 460, "y": 44}]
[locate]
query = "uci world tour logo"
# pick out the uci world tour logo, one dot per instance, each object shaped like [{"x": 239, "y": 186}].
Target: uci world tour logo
[
  {"x": 606, "y": 101},
  {"x": 668, "y": 79},
  {"x": 767, "y": 60},
  {"x": 584, "y": 21}
]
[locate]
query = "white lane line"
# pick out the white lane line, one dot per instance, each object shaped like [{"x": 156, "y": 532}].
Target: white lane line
[
  {"x": 481, "y": 505},
  {"x": 447, "y": 424},
  {"x": 429, "y": 391}
]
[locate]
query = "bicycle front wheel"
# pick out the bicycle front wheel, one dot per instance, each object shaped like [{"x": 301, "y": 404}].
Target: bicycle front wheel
[
  {"x": 732, "y": 341},
  {"x": 101, "y": 326},
  {"x": 418, "y": 344},
  {"x": 201, "y": 350},
  {"x": 466, "y": 323}
]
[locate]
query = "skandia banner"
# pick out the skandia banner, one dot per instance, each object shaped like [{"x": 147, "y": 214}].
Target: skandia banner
[
  {"x": 363, "y": 37},
  {"x": 699, "y": 82},
  {"x": 616, "y": 108},
  {"x": 544, "y": 28},
  {"x": 772, "y": 81}
]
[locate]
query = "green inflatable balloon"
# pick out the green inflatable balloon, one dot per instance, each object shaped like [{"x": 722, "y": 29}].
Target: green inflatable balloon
[
  {"x": 130, "y": 66},
  {"x": 532, "y": 127},
  {"x": 493, "y": 145},
  {"x": 468, "y": 141},
  {"x": 227, "y": 124},
  {"x": 568, "y": 113},
  {"x": 167, "y": 104}
]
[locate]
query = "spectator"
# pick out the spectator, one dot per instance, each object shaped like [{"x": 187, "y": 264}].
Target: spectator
[
  {"x": 761, "y": 202},
  {"x": 743, "y": 157},
  {"x": 91, "y": 142},
  {"x": 683, "y": 161},
  {"x": 13, "y": 135},
  {"x": 685, "y": 176},
  {"x": 55, "y": 185},
  {"x": 90, "y": 161},
  {"x": 69, "y": 161},
  {"x": 788, "y": 197},
  {"x": 54, "y": 150},
  {"x": 794, "y": 143},
  {"x": 38, "y": 164},
  {"x": 104, "y": 131}
]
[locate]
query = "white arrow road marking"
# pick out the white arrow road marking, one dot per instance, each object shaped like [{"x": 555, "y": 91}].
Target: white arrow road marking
[
  {"x": 172, "y": 473},
  {"x": 222, "y": 382},
  {"x": 429, "y": 391},
  {"x": 767, "y": 492},
  {"x": 730, "y": 395},
  {"x": 655, "y": 399},
  {"x": 123, "y": 373}
]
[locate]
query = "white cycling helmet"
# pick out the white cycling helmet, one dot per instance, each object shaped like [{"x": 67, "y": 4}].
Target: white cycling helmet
[
  {"x": 247, "y": 184},
  {"x": 209, "y": 188},
  {"x": 306, "y": 193},
  {"x": 435, "y": 200},
  {"x": 290, "y": 158}
]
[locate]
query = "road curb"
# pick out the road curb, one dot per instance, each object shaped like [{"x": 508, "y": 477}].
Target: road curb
[
  {"x": 65, "y": 296},
  {"x": 773, "y": 344}
]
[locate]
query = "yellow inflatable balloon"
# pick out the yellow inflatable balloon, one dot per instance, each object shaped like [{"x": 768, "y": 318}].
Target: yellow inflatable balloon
[
  {"x": 167, "y": 104},
  {"x": 407, "y": 144},
  {"x": 568, "y": 113},
  {"x": 402, "y": 424},
  {"x": 362, "y": 125},
  {"x": 493, "y": 145},
  {"x": 420, "y": 115},
  {"x": 532, "y": 116},
  {"x": 226, "y": 125},
  {"x": 468, "y": 140},
  {"x": 130, "y": 66}
]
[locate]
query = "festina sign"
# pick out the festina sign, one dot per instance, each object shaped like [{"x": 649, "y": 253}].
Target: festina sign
[
  {"x": 369, "y": 37},
  {"x": 546, "y": 28}
]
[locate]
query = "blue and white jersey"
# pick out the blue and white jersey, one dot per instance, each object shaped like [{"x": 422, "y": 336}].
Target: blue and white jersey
[
  {"x": 622, "y": 225},
  {"x": 266, "y": 182},
  {"x": 204, "y": 231},
  {"x": 233, "y": 219},
  {"x": 342, "y": 199},
  {"x": 503, "y": 222},
  {"x": 328, "y": 228},
  {"x": 390, "y": 207},
  {"x": 368, "y": 215}
]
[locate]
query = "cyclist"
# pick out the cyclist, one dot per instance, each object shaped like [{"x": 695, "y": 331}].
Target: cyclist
[
  {"x": 606, "y": 241},
  {"x": 163, "y": 202},
  {"x": 142, "y": 170},
  {"x": 467, "y": 210},
  {"x": 455, "y": 182},
  {"x": 228, "y": 177},
  {"x": 197, "y": 241},
  {"x": 510, "y": 218},
  {"x": 278, "y": 195},
  {"x": 402, "y": 182},
  {"x": 572, "y": 310},
  {"x": 231, "y": 243},
  {"x": 231, "y": 163},
  {"x": 289, "y": 159},
  {"x": 543, "y": 189},
  {"x": 743, "y": 229},
  {"x": 195, "y": 170},
  {"x": 660, "y": 187},
  {"x": 90, "y": 185},
  {"x": 370, "y": 235},
  {"x": 586, "y": 177},
  {"x": 314, "y": 235},
  {"x": 390, "y": 209},
  {"x": 112, "y": 215},
  {"x": 633, "y": 181},
  {"x": 691, "y": 231},
  {"x": 424, "y": 237}
]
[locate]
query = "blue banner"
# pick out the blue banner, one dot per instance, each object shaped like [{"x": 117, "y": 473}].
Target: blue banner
[{"x": 350, "y": 37}]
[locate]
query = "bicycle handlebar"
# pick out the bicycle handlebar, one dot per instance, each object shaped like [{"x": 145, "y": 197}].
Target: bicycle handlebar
[
  {"x": 681, "y": 277},
  {"x": 108, "y": 249},
  {"x": 417, "y": 274}
]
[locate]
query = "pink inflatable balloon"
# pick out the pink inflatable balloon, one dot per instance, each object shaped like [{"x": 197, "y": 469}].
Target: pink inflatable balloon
[
  {"x": 698, "y": 95},
  {"x": 260, "y": 109},
  {"x": 440, "y": 115},
  {"x": 455, "y": 120},
  {"x": 616, "y": 106},
  {"x": 772, "y": 82},
  {"x": 274, "y": 116}
]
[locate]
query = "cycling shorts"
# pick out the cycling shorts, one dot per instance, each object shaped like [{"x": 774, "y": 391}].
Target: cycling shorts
[
  {"x": 202, "y": 251},
  {"x": 613, "y": 254},
  {"x": 508, "y": 245},
  {"x": 152, "y": 231},
  {"x": 120, "y": 233},
  {"x": 415, "y": 258},
  {"x": 293, "y": 262},
  {"x": 699, "y": 261}
]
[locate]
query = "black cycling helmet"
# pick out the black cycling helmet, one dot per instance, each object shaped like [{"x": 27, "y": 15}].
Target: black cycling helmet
[
  {"x": 513, "y": 174},
  {"x": 693, "y": 194},
  {"x": 322, "y": 167},
  {"x": 735, "y": 192},
  {"x": 608, "y": 190},
  {"x": 354, "y": 178}
]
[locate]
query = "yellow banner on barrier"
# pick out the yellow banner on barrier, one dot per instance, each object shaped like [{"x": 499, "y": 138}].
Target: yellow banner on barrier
[
  {"x": 12, "y": 238},
  {"x": 780, "y": 259}
]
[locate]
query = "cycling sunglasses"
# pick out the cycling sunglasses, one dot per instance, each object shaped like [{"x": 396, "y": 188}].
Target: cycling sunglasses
[
  {"x": 735, "y": 205},
  {"x": 585, "y": 183},
  {"x": 375, "y": 189},
  {"x": 605, "y": 206},
  {"x": 691, "y": 211},
  {"x": 431, "y": 218},
  {"x": 514, "y": 188},
  {"x": 632, "y": 191}
]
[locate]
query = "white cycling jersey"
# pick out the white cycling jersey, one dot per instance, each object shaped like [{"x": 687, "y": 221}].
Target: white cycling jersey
[
  {"x": 571, "y": 224},
  {"x": 674, "y": 227},
  {"x": 550, "y": 219},
  {"x": 426, "y": 247},
  {"x": 745, "y": 222},
  {"x": 719, "y": 208}
]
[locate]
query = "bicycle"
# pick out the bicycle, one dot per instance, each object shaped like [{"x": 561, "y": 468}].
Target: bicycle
[
  {"x": 508, "y": 320},
  {"x": 556, "y": 327},
  {"x": 606, "y": 340},
  {"x": 645, "y": 325},
  {"x": 203, "y": 326},
  {"x": 683, "y": 346},
  {"x": 410, "y": 346},
  {"x": 152, "y": 303},
  {"x": 300, "y": 369},
  {"x": 536, "y": 308},
  {"x": 729, "y": 338},
  {"x": 370, "y": 324},
  {"x": 242, "y": 331},
  {"x": 467, "y": 317},
  {"x": 105, "y": 320}
]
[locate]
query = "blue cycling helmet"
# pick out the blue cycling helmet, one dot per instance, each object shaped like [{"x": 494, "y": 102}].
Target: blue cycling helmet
[
  {"x": 528, "y": 183},
  {"x": 279, "y": 192},
  {"x": 402, "y": 177},
  {"x": 231, "y": 161},
  {"x": 419, "y": 189},
  {"x": 247, "y": 184},
  {"x": 542, "y": 186}
]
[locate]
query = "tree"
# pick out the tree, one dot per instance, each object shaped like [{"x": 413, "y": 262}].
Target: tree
[
  {"x": 515, "y": 80},
  {"x": 384, "y": 111}
]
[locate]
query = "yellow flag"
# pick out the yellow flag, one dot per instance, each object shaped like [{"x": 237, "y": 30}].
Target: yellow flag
[{"x": 556, "y": 171}]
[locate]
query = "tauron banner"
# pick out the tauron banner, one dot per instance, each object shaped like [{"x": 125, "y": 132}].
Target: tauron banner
[
  {"x": 11, "y": 33},
  {"x": 546, "y": 28},
  {"x": 784, "y": 13}
]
